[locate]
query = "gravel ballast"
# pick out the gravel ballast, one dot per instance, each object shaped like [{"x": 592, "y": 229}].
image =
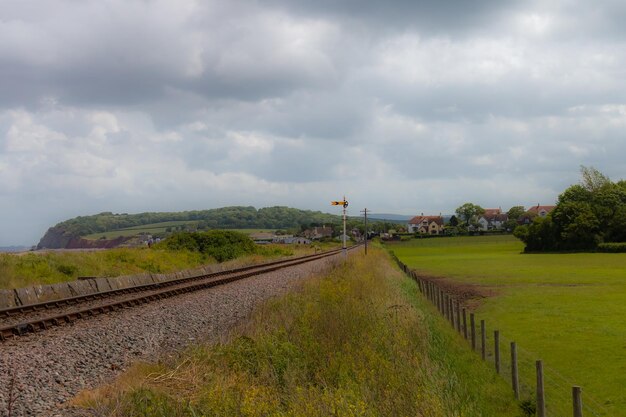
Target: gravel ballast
[{"x": 48, "y": 369}]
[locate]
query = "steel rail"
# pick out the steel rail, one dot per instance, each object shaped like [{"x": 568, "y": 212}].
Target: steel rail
[
  {"x": 62, "y": 302},
  {"x": 42, "y": 324}
]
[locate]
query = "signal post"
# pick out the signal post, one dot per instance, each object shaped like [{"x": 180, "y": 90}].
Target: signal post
[{"x": 343, "y": 203}]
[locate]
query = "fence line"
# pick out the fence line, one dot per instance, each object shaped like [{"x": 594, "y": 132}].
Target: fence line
[{"x": 547, "y": 390}]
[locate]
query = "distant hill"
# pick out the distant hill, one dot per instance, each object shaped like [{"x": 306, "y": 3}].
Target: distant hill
[
  {"x": 400, "y": 218},
  {"x": 120, "y": 227}
]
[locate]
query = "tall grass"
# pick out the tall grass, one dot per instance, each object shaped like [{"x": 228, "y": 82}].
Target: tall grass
[
  {"x": 357, "y": 342},
  {"x": 20, "y": 270}
]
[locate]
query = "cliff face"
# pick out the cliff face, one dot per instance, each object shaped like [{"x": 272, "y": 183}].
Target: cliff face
[{"x": 57, "y": 238}]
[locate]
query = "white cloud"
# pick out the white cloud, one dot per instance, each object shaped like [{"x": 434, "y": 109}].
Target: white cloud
[{"x": 25, "y": 135}]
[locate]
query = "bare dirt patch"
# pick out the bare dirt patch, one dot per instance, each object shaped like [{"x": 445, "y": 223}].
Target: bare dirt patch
[{"x": 469, "y": 295}]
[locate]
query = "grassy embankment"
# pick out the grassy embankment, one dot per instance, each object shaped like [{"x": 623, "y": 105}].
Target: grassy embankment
[
  {"x": 19, "y": 270},
  {"x": 357, "y": 342},
  {"x": 160, "y": 229},
  {"x": 567, "y": 309}
]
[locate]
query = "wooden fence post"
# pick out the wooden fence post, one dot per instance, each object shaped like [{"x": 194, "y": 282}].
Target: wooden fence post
[
  {"x": 440, "y": 300},
  {"x": 514, "y": 375},
  {"x": 458, "y": 316},
  {"x": 464, "y": 324},
  {"x": 432, "y": 292},
  {"x": 541, "y": 400},
  {"x": 483, "y": 340},
  {"x": 451, "y": 318},
  {"x": 473, "y": 331},
  {"x": 496, "y": 349},
  {"x": 577, "y": 401}
]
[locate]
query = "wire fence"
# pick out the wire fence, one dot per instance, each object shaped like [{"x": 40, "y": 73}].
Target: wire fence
[{"x": 533, "y": 383}]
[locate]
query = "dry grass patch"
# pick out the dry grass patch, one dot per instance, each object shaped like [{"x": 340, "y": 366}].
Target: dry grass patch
[{"x": 357, "y": 342}]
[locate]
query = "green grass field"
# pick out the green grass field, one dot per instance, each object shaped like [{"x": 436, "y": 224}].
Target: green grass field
[
  {"x": 145, "y": 228},
  {"x": 567, "y": 309}
]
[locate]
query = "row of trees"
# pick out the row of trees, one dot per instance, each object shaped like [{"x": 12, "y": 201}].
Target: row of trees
[
  {"x": 586, "y": 215},
  {"x": 226, "y": 217}
]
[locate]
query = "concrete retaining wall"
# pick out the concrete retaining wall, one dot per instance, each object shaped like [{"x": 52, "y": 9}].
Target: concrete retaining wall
[{"x": 41, "y": 293}]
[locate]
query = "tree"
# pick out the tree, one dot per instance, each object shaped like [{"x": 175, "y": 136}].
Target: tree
[
  {"x": 468, "y": 212},
  {"x": 540, "y": 235},
  {"x": 577, "y": 226},
  {"x": 513, "y": 215},
  {"x": 454, "y": 222},
  {"x": 586, "y": 214},
  {"x": 592, "y": 179}
]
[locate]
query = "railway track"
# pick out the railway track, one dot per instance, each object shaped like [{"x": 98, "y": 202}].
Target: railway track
[{"x": 22, "y": 320}]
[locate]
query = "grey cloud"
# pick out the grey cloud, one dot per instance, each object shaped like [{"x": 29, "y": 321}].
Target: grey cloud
[
  {"x": 133, "y": 106},
  {"x": 425, "y": 16}
]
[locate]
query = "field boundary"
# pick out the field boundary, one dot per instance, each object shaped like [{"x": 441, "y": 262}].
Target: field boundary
[{"x": 541, "y": 390}]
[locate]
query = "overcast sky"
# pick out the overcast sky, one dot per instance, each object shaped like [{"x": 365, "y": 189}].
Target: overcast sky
[{"x": 404, "y": 106}]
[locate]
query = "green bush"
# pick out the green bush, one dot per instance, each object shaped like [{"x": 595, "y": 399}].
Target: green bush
[
  {"x": 222, "y": 245},
  {"x": 68, "y": 270},
  {"x": 613, "y": 247}
]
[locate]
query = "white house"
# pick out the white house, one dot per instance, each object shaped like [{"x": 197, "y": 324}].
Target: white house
[{"x": 492, "y": 219}]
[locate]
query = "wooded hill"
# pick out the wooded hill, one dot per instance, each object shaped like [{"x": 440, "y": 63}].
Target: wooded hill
[{"x": 67, "y": 233}]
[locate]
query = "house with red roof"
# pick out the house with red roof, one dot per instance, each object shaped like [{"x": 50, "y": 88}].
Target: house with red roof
[
  {"x": 431, "y": 225},
  {"x": 541, "y": 211},
  {"x": 534, "y": 211}
]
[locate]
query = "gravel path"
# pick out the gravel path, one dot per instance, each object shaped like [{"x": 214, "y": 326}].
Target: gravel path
[{"x": 52, "y": 367}]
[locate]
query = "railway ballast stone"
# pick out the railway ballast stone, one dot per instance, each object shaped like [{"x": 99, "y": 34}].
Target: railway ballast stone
[{"x": 51, "y": 367}]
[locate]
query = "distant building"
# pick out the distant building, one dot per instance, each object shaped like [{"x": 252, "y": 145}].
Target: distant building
[
  {"x": 262, "y": 237},
  {"x": 291, "y": 240},
  {"x": 316, "y": 233},
  {"x": 431, "y": 225},
  {"x": 492, "y": 219},
  {"x": 541, "y": 211},
  {"x": 535, "y": 211}
]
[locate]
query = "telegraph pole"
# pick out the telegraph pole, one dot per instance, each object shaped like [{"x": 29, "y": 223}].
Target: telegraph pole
[{"x": 364, "y": 211}]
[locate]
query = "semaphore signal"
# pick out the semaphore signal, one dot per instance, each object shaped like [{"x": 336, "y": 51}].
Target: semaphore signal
[{"x": 343, "y": 203}]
